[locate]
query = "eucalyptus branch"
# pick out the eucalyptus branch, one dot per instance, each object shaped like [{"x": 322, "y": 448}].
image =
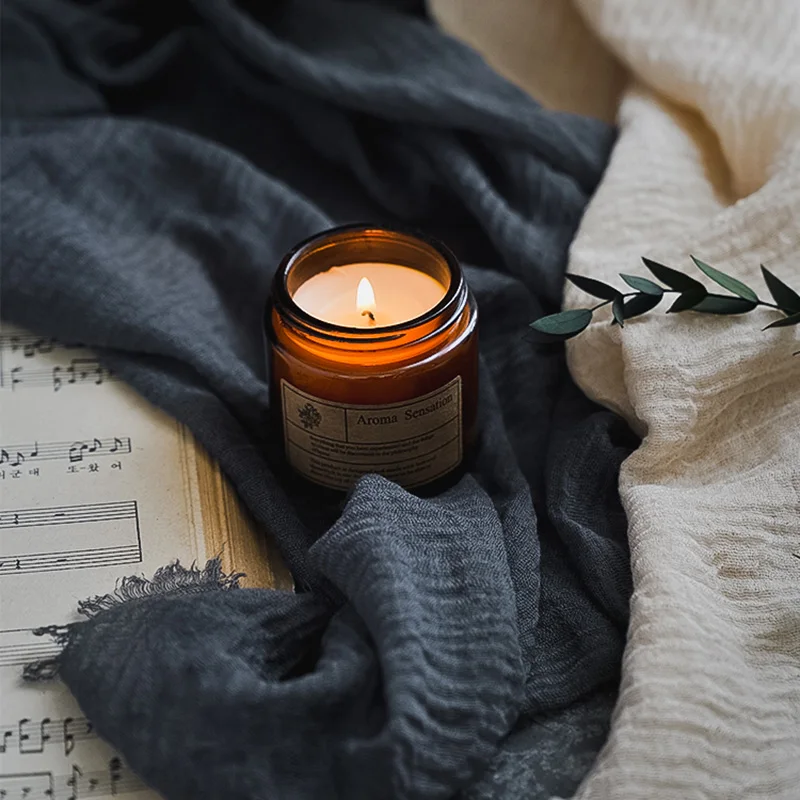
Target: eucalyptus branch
[{"x": 691, "y": 296}]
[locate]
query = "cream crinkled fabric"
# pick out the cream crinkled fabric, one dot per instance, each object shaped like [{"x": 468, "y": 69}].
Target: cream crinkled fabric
[{"x": 708, "y": 162}]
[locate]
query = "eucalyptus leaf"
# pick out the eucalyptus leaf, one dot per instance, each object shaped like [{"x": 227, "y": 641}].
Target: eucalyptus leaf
[
  {"x": 722, "y": 304},
  {"x": 618, "y": 310},
  {"x": 692, "y": 296},
  {"x": 787, "y": 298},
  {"x": 640, "y": 304},
  {"x": 792, "y": 319},
  {"x": 594, "y": 287},
  {"x": 642, "y": 284},
  {"x": 674, "y": 279},
  {"x": 726, "y": 281},
  {"x": 565, "y": 324},
  {"x": 688, "y": 300}
]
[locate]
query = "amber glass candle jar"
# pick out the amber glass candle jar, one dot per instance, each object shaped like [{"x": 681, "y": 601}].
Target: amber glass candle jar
[{"x": 357, "y": 387}]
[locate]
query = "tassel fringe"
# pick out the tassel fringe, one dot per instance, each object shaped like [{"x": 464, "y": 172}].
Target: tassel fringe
[{"x": 168, "y": 580}]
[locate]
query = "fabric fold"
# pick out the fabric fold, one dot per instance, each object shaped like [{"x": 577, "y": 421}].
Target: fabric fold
[
  {"x": 297, "y": 686},
  {"x": 707, "y": 163},
  {"x": 144, "y": 215}
]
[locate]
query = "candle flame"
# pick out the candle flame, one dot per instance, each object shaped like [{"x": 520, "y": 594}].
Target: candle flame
[{"x": 365, "y": 296}]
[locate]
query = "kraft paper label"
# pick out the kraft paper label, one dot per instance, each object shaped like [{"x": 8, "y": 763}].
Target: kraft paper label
[{"x": 411, "y": 443}]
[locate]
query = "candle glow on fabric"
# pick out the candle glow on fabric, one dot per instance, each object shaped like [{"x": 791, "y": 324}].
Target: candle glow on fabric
[{"x": 369, "y": 295}]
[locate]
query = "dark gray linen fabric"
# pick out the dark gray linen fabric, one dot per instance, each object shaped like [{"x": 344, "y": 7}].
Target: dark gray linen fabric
[{"x": 158, "y": 159}]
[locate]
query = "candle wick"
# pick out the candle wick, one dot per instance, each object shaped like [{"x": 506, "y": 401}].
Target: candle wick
[{"x": 369, "y": 314}]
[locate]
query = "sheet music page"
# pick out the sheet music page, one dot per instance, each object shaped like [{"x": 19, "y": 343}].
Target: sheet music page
[{"x": 94, "y": 485}]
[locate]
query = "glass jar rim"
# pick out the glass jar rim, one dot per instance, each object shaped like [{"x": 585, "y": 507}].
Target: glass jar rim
[{"x": 331, "y": 331}]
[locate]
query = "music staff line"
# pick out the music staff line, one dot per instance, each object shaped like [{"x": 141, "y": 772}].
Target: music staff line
[
  {"x": 79, "y": 371},
  {"x": 30, "y": 737},
  {"x": 17, "y": 454},
  {"x": 55, "y": 561},
  {"x": 127, "y": 551},
  {"x": 115, "y": 780},
  {"x": 20, "y": 654},
  {"x": 68, "y": 515}
]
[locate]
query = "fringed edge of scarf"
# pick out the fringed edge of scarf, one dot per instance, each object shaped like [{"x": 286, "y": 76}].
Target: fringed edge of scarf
[{"x": 173, "y": 578}]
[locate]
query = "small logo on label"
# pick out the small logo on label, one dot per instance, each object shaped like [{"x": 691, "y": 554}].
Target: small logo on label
[{"x": 309, "y": 416}]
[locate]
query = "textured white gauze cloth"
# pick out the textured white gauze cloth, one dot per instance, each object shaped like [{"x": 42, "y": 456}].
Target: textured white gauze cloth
[{"x": 708, "y": 162}]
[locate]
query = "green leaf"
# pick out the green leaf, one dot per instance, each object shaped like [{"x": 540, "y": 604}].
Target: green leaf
[
  {"x": 726, "y": 281},
  {"x": 617, "y": 309},
  {"x": 642, "y": 284},
  {"x": 593, "y": 287},
  {"x": 674, "y": 279},
  {"x": 722, "y": 304},
  {"x": 565, "y": 324},
  {"x": 640, "y": 304},
  {"x": 786, "y": 297},
  {"x": 792, "y": 319},
  {"x": 688, "y": 300}
]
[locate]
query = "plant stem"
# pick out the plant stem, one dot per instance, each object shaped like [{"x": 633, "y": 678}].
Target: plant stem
[
  {"x": 759, "y": 301},
  {"x": 606, "y": 302}
]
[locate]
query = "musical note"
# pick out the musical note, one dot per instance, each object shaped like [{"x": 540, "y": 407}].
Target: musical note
[
  {"x": 30, "y": 344},
  {"x": 74, "y": 730},
  {"x": 65, "y": 731},
  {"x": 80, "y": 371},
  {"x": 39, "y": 346},
  {"x": 72, "y": 781},
  {"x": 69, "y": 451},
  {"x": 27, "y": 786},
  {"x": 115, "y": 774},
  {"x": 57, "y": 431},
  {"x": 77, "y": 450},
  {"x": 32, "y": 737},
  {"x": 78, "y": 784},
  {"x": 44, "y": 736},
  {"x": 68, "y": 736},
  {"x": 29, "y": 743}
]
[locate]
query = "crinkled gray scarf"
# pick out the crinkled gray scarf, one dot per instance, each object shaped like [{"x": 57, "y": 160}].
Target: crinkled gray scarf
[{"x": 158, "y": 159}]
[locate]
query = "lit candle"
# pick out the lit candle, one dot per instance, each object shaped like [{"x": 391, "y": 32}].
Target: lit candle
[
  {"x": 365, "y": 300},
  {"x": 373, "y": 358},
  {"x": 368, "y": 295}
]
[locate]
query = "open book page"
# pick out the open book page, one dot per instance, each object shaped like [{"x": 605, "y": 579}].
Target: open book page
[{"x": 95, "y": 484}]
